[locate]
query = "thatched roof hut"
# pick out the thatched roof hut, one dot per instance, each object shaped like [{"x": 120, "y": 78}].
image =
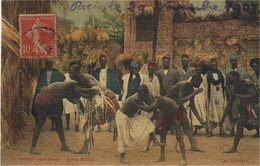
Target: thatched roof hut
[
  {"x": 18, "y": 75},
  {"x": 19, "y": 80}
]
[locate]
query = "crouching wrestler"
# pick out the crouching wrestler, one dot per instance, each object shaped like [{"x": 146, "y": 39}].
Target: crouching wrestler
[
  {"x": 49, "y": 97},
  {"x": 133, "y": 128},
  {"x": 167, "y": 116},
  {"x": 247, "y": 92}
]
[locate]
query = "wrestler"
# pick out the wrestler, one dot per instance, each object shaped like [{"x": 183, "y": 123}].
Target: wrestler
[
  {"x": 132, "y": 128},
  {"x": 46, "y": 100},
  {"x": 182, "y": 93},
  {"x": 246, "y": 91},
  {"x": 167, "y": 116},
  {"x": 110, "y": 103}
]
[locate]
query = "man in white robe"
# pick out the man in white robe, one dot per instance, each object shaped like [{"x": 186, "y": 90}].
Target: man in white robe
[{"x": 215, "y": 82}]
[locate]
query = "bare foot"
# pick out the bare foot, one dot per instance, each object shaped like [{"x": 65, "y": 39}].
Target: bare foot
[
  {"x": 196, "y": 134},
  {"x": 256, "y": 135},
  {"x": 209, "y": 134},
  {"x": 34, "y": 150},
  {"x": 161, "y": 158},
  {"x": 230, "y": 151},
  {"x": 223, "y": 135},
  {"x": 183, "y": 162},
  {"x": 124, "y": 161},
  {"x": 98, "y": 129},
  {"x": 117, "y": 155},
  {"x": 196, "y": 149},
  {"x": 157, "y": 143},
  {"x": 65, "y": 148},
  {"x": 81, "y": 151},
  {"x": 146, "y": 149}
]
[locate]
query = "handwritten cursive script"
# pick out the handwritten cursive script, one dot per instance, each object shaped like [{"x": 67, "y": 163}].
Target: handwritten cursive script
[
  {"x": 79, "y": 5},
  {"x": 205, "y": 6}
]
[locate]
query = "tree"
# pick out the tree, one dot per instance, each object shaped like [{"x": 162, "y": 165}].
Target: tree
[{"x": 111, "y": 22}]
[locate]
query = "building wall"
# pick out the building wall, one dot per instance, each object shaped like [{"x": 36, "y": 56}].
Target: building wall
[
  {"x": 214, "y": 29},
  {"x": 165, "y": 30},
  {"x": 203, "y": 34}
]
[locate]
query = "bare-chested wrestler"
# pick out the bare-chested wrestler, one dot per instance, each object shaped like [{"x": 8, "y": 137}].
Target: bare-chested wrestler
[
  {"x": 184, "y": 92},
  {"x": 166, "y": 118},
  {"x": 248, "y": 93},
  {"x": 47, "y": 98},
  {"x": 132, "y": 128},
  {"x": 88, "y": 81}
]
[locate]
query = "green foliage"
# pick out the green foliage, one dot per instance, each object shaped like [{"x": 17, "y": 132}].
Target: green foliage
[{"x": 111, "y": 22}]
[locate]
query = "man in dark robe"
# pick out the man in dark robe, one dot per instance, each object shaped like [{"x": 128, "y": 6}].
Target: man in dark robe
[
  {"x": 47, "y": 76},
  {"x": 167, "y": 76}
]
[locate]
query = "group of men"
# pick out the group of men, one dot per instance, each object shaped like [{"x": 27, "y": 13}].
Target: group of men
[{"x": 181, "y": 98}]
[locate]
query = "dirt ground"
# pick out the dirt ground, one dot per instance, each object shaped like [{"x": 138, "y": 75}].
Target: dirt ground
[{"x": 104, "y": 151}]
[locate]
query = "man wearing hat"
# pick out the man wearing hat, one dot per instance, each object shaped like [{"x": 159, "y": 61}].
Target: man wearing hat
[
  {"x": 243, "y": 75},
  {"x": 215, "y": 82},
  {"x": 167, "y": 76},
  {"x": 106, "y": 76},
  {"x": 254, "y": 63},
  {"x": 186, "y": 71},
  {"x": 107, "y": 79},
  {"x": 131, "y": 81},
  {"x": 233, "y": 61}
]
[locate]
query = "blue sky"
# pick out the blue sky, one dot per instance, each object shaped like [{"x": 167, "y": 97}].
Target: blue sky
[{"x": 79, "y": 12}]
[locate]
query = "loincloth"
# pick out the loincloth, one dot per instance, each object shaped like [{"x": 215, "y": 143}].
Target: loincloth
[
  {"x": 166, "y": 119},
  {"x": 103, "y": 109},
  {"x": 44, "y": 99}
]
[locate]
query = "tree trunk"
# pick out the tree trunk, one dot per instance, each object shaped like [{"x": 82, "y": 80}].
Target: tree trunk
[{"x": 155, "y": 27}]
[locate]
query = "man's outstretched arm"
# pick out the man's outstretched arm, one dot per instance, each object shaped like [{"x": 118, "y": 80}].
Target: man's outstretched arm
[
  {"x": 190, "y": 96},
  {"x": 87, "y": 92}
]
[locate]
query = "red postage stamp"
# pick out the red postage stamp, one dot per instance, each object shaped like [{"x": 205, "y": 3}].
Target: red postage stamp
[{"x": 37, "y": 36}]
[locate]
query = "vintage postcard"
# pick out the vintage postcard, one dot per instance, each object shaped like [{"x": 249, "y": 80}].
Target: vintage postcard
[{"x": 130, "y": 82}]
